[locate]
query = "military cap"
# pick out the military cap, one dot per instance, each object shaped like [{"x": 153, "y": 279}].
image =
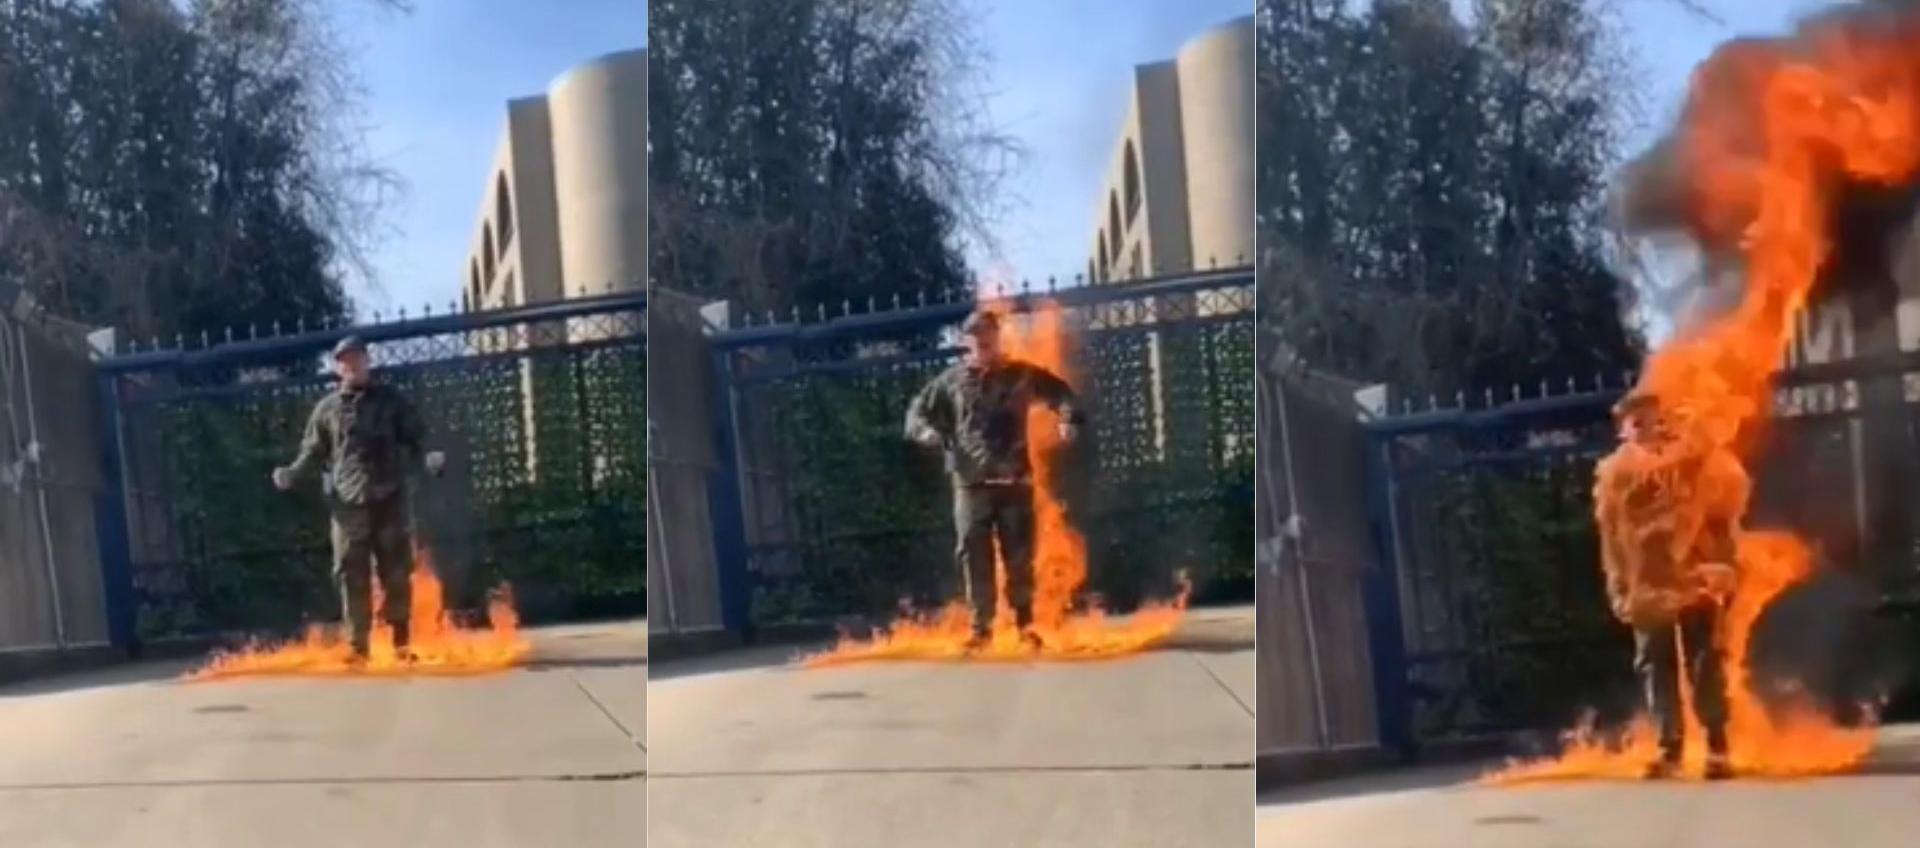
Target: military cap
[
  {"x": 349, "y": 345},
  {"x": 981, "y": 322}
]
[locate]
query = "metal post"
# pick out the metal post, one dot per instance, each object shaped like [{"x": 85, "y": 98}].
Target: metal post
[
  {"x": 1386, "y": 638},
  {"x": 1292, "y": 534},
  {"x": 40, "y": 487}
]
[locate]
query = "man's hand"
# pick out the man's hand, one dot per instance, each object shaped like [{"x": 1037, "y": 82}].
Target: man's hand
[
  {"x": 436, "y": 462},
  {"x": 1717, "y": 580},
  {"x": 926, "y": 437},
  {"x": 1069, "y": 432},
  {"x": 283, "y": 479}
]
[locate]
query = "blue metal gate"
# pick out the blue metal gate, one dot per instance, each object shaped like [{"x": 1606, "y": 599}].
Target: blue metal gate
[
  {"x": 823, "y": 510},
  {"x": 541, "y": 410}
]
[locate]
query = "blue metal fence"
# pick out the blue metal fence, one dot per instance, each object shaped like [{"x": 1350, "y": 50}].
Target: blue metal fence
[
  {"x": 541, "y": 409},
  {"x": 1485, "y": 602},
  {"x": 822, "y": 510}
]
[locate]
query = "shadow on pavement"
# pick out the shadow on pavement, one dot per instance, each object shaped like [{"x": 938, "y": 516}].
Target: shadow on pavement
[
  {"x": 127, "y": 674},
  {"x": 1411, "y": 779}
]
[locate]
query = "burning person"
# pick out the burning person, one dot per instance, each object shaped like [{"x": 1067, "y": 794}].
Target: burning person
[
  {"x": 368, "y": 437},
  {"x": 976, "y": 411},
  {"x": 1668, "y": 503}
]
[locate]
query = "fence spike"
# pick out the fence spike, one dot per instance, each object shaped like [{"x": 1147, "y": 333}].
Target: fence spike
[
  {"x": 452, "y": 307},
  {"x": 426, "y": 310},
  {"x": 1026, "y": 286},
  {"x": 133, "y": 345},
  {"x": 770, "y": 317},
  {"x": 1053, "y": 285},
  {"x": 229, "y": 332},
  {"x": 896, "y": 300},
  {"x": 1489, "y": 391},
  {"x": 870, "y": 307},
  {"x": 1213, "y": 262},
  {"x": 1460, "y": 399},
  {"x": 796, "y": 313},
  {"x": 1079, "y": 279},
  {"x": 154, "y": 343},
  {"x": 403, "y": 313},
  {"x": 203, "y": 339},
  {"x": 300, "y": 323},
  {"x": 1570, "y": 388},
  {"x": 1239, "y": 260},
  {"x": 1516, "y": 391},
  {"x": 923, "y": 297},
  {"x": 1433, "y": 402},
  {"x": 376, "y": 316},
  {"x": 1543, "y": 388},
  {"x": 821, "y": 310},
  {"x": 276, "y": 328},
  {"x": 179, "y": 341}
]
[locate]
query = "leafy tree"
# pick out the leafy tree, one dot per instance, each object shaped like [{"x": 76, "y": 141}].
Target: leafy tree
[{"x": 180, "y": 167}]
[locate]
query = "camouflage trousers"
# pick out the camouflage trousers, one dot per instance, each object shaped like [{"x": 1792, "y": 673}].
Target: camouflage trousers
[
  {"x": 371, "y": 540},
  {"x": 1688, "y": 646},
  {"x": 984, "y": 515}
]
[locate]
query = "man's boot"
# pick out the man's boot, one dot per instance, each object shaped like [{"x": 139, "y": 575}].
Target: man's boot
[
  {"x": 1719, "y": 767},
  {"x": 403, "y": 641},
  {"x": 981, "y": 638},
  {"x": 1668, "y": 765}
]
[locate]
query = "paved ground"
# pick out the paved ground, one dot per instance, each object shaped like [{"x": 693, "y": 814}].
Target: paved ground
[
  {"x": 1441, "y": 807},
  {"x": 551, "y": 754},
  {"x": 1152, "y": 750}
]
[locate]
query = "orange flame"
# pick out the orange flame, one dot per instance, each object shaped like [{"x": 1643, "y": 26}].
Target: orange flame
[
  {"x": 440, "y": 646},
  {"x": 1059, "y": 558},
  {"x": 1840, "y": 105}
]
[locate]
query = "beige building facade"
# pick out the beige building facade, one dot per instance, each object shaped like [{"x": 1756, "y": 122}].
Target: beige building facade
[
  {"x": 565, "y": 211},
  {"x": 1179, "y": 191}
]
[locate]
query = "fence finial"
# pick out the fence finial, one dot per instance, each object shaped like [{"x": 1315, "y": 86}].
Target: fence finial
[
  {"x": 1433, "y": 402},
  {"x": 1053, "y": 285},
  {"x": 821, "y": 310},
  {"x": 1516, "y": 391},
  {"x": 1460, "y": 399},
  {"x": 300, "y": 323},
  {"x": 1213, "y": 262},
  {"x": 403, "y": 313},
  {"x": 870, "y": 309},
  {"x": 846, "y": 307},
  {"x": 376, "y": 316},
  {"x": 276, "y": 328},
  {"x": 923, "y": 297},
  {"x": 896, "y": 300},
  {"x": 203, "y": 339},
  {"x": 770, "y": 320},
  {"x": 796, "y": 313},
  {"x": 1489, "y": 397},
  {"x": 426, "y": 309},
  {"x": 1026, "y": 286},
  {"x": 1570, "y": 388},
  {"x": 229, "y": 332},
  {"x": 1543, "y": 388}
]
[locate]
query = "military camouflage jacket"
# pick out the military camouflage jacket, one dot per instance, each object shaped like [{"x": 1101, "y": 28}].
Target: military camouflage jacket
[
  {"x": 369, "y": 439},
  {"x": 980, "y": 416}
]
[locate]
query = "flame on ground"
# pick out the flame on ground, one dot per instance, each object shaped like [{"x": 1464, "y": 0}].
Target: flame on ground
[
  {"x": 440, "y": 646},
  {"x": 1059, "y": 559},
  {"x": 1773, "y": 135}
]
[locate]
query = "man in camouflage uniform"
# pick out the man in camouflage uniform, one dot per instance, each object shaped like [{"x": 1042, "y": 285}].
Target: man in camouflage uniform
[
  {"x": 367, "y": 437},
  {"x": 1669, "y": 581},
  {"x": 976, "y": 411}
]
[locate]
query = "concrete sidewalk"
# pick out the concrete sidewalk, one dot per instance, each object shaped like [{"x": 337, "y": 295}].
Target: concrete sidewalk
[
  {"x": 1443, "y": 806},
  {"x": 551, "y": 754},
  {"x": 1151, "y": 750}
]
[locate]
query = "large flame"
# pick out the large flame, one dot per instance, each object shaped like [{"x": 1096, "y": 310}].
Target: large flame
[
  {"x": 1774, "y": 133},
  {"x": 1059, "y": 560},
  {"x": 440, "y": 646}
]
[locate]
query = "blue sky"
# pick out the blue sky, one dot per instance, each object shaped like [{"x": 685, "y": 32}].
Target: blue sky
[
  {"x": 1060, "y": 72},
  {"x": 436, "y": 84}
]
